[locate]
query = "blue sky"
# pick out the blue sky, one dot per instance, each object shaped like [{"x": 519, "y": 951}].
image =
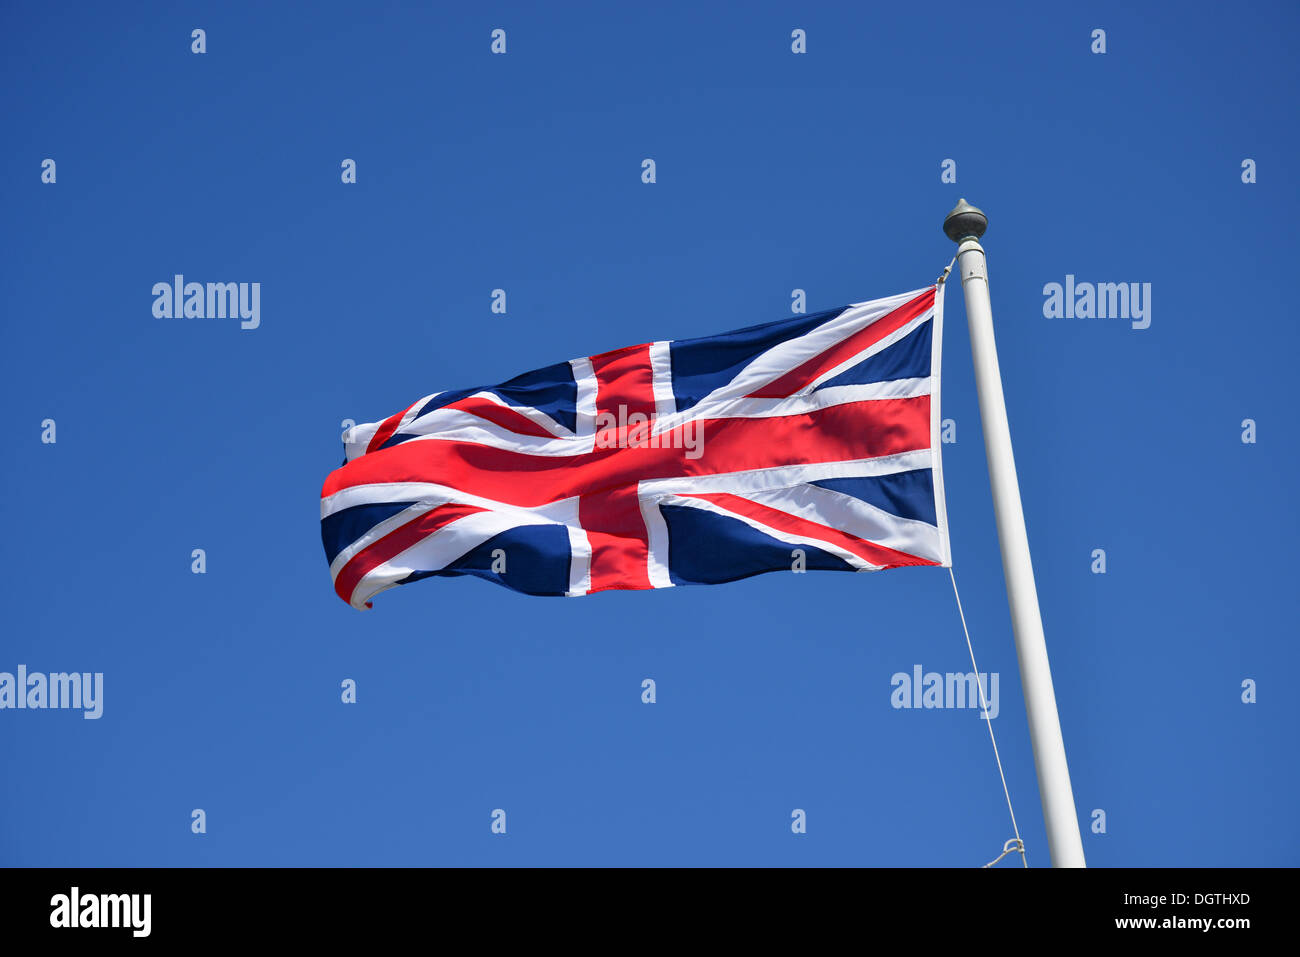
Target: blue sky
[{"x": 775, "y": 171}]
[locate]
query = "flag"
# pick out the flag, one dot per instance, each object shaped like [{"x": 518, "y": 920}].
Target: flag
[{"x": 807, "y": 443}]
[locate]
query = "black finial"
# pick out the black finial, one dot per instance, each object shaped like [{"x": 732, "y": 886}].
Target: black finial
[{"x": 965, "y": 220}]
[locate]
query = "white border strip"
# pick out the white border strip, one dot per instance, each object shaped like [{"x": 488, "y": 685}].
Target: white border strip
[{"x": 936, "y": 426}]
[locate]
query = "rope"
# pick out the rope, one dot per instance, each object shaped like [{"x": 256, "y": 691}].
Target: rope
[
  {"x": 1015, "y": 844},
  {"x": 1019, "y": 844},
  {"x": 947, "y": 269}
]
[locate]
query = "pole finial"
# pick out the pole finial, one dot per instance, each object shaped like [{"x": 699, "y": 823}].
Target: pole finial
[{"x": 964, "y": 221}]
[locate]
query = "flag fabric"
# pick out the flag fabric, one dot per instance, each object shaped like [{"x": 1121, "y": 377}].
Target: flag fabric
[{"x": 807, "y": 443}]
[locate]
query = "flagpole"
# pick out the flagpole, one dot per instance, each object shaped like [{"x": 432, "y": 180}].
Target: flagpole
[{"x": 964, "y": 226}]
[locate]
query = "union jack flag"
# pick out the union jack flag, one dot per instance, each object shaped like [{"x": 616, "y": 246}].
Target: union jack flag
[{"x": 808, "y": 443}]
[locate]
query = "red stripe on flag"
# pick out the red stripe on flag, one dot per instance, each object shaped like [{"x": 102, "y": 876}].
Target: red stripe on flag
[
  {"x": 500, "y": 415},
  {"x": 840, "y": 433},
  {"x": 800, "y": 376},
  {"x": 624, "y": 379},
  {"x": 396, "y": 542},
  {"x": 387, "y": 428},
  {"x": 880, "y": 555},
  {"x": 620, "y": 547}
]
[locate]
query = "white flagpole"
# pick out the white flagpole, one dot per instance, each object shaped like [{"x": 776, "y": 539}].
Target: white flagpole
[{"x": 965, "y": 225}]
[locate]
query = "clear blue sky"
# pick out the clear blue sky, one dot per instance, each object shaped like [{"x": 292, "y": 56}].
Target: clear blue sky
[{"x": 775, "y": 171}]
